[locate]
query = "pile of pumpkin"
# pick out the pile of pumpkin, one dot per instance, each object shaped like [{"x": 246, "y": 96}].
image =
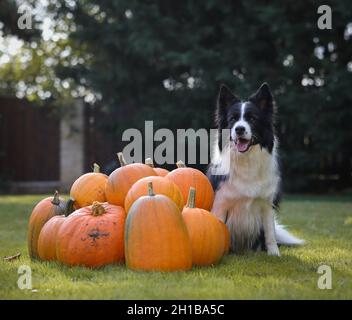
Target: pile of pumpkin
[{"x": 137, "y": 215}]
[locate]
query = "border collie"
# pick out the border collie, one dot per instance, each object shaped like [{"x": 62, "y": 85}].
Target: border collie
[{"x": 245, "y": 172}]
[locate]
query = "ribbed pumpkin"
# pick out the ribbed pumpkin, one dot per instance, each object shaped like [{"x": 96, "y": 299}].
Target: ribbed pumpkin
[
  {"x": 156, "y": 237},
  {"x": 161, "y": 172},
  {"x": 122, "y": 179},
  {"x": 48, "y": 234},
  {"x": 42, "y": 212},
  {"x": 88, "y": 188},
  {"x": 205, "y": 231},
  {"x": 92, "y": 236},
  {"x": 227, "y": 241},
  {"x": 189, "y": 177},
  {"x": 160, "y": 186}
]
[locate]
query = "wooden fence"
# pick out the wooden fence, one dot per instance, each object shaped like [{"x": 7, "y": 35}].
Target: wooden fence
[
  {"x": 30, "y": 152},
  {"x": 29, "y": 142}
]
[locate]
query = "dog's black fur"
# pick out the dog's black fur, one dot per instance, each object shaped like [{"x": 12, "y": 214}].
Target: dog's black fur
[{"x": 260, "y": 113}]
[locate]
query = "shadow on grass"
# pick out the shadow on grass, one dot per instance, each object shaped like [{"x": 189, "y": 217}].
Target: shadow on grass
[{"x": 252, "y": 264}]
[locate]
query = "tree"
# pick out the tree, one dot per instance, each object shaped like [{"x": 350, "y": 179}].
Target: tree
[{"x": 164, "y": 60}]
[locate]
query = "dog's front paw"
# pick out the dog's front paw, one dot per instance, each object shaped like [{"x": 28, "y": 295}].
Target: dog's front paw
[{"x": 273, "y": 250}]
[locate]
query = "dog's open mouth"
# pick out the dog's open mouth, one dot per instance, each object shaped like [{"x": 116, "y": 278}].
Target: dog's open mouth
[{"x": 242, "y": 145}]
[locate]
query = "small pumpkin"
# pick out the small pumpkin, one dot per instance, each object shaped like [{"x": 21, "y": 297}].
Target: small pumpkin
[
  {"x": 185, "y": 178},
  {"x": 159, "y": 171},
  {"x": 92, "y": 236},
  {"x": 121, "y": 180},
  {"x": 160, "y": 186},
  {"x": 43, "y": 212},
  {"x": 89, "y": 187},
  {"x": 227, "y": 237},
  {"x": 205, "y": 231},
  {"x": 156, "y": 237},
  {"x": 48, "y": 234}
]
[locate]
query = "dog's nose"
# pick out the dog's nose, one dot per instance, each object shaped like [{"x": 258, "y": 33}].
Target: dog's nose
[{"x": 239, "y": 130}]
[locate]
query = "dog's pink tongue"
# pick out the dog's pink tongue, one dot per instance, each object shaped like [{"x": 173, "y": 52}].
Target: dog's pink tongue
[{"x": 242, "y": 146}]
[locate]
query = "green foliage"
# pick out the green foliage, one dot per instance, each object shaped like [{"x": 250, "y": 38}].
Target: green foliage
[
  {"x": 193, "y": 46},
  {"x": 164, "y": 60},
  {"x": 29, "y": 71}
]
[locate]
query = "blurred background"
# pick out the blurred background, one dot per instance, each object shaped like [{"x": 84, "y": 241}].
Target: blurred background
[{"x": 87, "y": 70}]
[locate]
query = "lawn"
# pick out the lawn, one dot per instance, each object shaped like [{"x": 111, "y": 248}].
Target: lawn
[{"x": 325, "y": 222}]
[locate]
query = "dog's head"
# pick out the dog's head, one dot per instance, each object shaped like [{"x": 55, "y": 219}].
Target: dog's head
[{"x": 250, "y": 122}]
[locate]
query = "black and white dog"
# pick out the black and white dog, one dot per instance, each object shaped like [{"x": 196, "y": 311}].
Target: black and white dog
[{"x": 245, "y": 172}]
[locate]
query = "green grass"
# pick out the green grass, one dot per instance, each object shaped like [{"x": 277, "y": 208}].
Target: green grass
[{"x": 324, "y": 222}]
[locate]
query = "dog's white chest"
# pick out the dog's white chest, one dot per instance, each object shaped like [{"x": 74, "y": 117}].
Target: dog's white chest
[
  {"x": 251, "y": 176},
  {"x": 251, "y": 186},
  {"x": 244, "y": 221}
]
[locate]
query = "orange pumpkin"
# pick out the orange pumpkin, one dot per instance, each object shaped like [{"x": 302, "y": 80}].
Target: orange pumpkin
[
  {"x": 159, "y": 171},
  {"x": 48, "y": 235},
  {"x": 88, "y": 188},
  {"x": 227, "y": 237},
  {"x": 189, "y": 177},
  {"x": 156, "y": 237},
  {"x": 92, "y": 236},
  {"x": 121, "y": 180},
  {"x": 205, "y": 231},
  {"x": 42, "y": 212},
  {"x": 160, "y": 186}
]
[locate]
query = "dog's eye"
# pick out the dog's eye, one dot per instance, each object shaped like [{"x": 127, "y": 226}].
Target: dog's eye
[
  {"x": 251, "y": 118},
  {"x": 234, "y": 117}
]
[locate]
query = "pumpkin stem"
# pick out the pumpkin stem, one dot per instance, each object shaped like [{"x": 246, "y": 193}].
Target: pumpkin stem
[
  {"x": 121, "y": 159},
  {"x": 56, "y": 198},
  {"x": 97, "y": 209},
  {"x": 150, "y": 189},
  {"x": 191, "y": 198},
  {"x": 180, "y": 164},
  {"x": 69, "y": 207},
  {"x": 96, "y": 168},
  {"x": 149, "y": 162}
]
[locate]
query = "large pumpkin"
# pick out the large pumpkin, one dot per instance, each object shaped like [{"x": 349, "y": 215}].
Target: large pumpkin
[
  {"x": 159, "y": 171},
  {"x": 160, "y": 186},
  {"x": 88, "y": 188},
  {"x": 205, "y": 231},
  {"x": 186, "y": 178},
  {"x": 227, "y": 237},
  {"x": 156, "y": 237},
  {"x": 42, "y": 212},
  {"x": 122, "y": 179},
  {"x": 92, "y": 236},
  {"x": 48, "y": 235}
]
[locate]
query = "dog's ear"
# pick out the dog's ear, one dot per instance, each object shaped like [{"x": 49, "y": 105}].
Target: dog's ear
[
  {"x": 226, "y": 98},
  {"x": 263, "y": 98}
]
